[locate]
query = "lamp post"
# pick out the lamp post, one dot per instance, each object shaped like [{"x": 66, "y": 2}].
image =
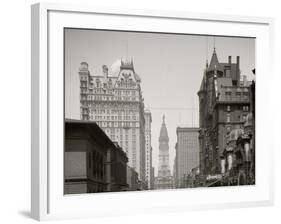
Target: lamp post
[
  {"x": 229, "y": 157},
  {"x": 247, "y": 151},
  {"x": 222, "y": 164}
]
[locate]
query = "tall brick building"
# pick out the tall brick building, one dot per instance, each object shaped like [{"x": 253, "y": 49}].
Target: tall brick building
[
  {"x": 115, "y": 103},
  {"x": 223, "y": 106}
]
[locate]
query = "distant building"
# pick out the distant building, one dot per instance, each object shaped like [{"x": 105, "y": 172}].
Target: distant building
[
  {"x": 115, "y": 103},
  {"x": 148, "y": 148},
  {"x": 152, "y": 181},
  {"x": 132, "y": 180},
  {"x": 175, "y": 169},
  {"x": 223, "y": 106},
  {"x": 164, "y": 180},
  {"x": 187, "y": 153},
  {"x": 92, "y": 162}
]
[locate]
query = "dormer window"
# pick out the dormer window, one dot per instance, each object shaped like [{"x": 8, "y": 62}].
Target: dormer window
[
  {"x": 98, "y": 83},
  {"x": 228, "y": 93},
  {"x": 110, "y": 82},
  {"x": 228, "y": 117}
]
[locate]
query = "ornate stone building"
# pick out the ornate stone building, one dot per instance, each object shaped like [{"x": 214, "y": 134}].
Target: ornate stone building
[
  {"x": 164, "y": 180},
  {"x": 115, "y": 103},
  {"x": 223, "y": 106}
]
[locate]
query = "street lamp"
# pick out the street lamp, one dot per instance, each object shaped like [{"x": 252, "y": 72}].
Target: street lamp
[{"x": 222, "y": 164}]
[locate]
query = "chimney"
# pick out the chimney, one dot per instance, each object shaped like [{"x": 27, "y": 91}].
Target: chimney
[
  {"x": 105, "y": 71},
  {"x": 238, "y": 61},
  {"x": 244, "y": 80},
  {"x": 238, "y": 70},
  {"x": 229, "y": 60}
]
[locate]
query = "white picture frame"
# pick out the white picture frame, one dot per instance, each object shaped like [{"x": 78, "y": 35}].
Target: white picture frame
[{"x": 47, "y": 199}]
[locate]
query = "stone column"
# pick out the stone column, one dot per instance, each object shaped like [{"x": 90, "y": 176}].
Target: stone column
[
  {"x": 247, "y": 151},
  {"x": 108, "y": 170},
  {"x": 229, "y": 161},
  {"x": 247, "y": 161},
  {"x": 222, "y": 165}
]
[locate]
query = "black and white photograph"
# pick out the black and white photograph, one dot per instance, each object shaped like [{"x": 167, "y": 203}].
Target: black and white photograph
[{"x": 157, "y": 111}]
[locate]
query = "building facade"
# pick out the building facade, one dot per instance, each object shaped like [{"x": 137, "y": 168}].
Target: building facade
[
  {"x": 152, "y": 180},
  {"x": 92, "y": 162},
  {"x": 223, "y": 106},
  {"x": 115, "y": 103},
  {"x": 148, "y": 149},
  {"x": 164, "y": 180},
  {"x": 238, "y": 158},
  {"x": 187, "y": 154}
]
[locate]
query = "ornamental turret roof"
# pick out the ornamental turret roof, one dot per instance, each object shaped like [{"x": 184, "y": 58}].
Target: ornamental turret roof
[
  {"x": 214, "y": 64},
  {"x": 127, "y": 64},
  {"x": 163, "y": 132}
]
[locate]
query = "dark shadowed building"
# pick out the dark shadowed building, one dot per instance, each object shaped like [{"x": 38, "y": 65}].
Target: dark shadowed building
[
  {"x": 238, "y": 167},
  {"x": 133, "y": 181},
  {"x": 223, "y": 106},
  {"x": 92, "y": 162}
]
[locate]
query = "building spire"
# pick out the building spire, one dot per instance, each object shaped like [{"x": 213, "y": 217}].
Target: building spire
[
  {"x": 214, "y": 60},
  {"x": 163, "y": 131}
]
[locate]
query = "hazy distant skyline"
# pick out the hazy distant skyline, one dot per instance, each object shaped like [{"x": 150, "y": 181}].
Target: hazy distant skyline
[{"x": 170, "y": 66}]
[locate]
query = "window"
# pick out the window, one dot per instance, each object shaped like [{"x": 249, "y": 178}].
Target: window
[
  {"x": 245, "y": 108},
  {"x": 228, "y": 93},
  {"x": 228, "y": 117},
  {"x": 228, "y": 129}
]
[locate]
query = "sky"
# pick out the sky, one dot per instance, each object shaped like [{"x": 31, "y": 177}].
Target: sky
[{"x": 170, "y": 66}]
